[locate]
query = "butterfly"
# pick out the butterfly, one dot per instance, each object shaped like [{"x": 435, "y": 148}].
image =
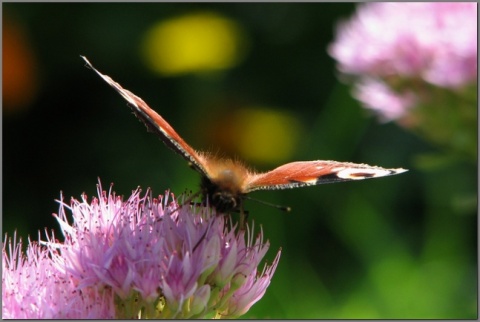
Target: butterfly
[{"x": 226, "y": 182}]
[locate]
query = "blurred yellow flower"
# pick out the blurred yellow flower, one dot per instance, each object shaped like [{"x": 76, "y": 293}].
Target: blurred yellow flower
[
  {"x": 267, "y": 136},
  {"x": 196, "y": 42}
]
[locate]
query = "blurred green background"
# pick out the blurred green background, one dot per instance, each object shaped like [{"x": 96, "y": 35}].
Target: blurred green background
[{"x": 395, "y": 247}]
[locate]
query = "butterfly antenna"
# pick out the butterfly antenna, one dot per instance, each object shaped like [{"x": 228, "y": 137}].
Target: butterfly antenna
[{"x": 282, "y": 208}]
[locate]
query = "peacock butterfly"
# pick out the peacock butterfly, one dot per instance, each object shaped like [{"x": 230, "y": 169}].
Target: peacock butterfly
[{"x": 226, "y": 182}]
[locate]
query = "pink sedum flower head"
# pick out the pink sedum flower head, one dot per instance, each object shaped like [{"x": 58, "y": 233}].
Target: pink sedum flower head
[
  {"x": 141, "y": 258},
  {"x": 402, "y": 45}
]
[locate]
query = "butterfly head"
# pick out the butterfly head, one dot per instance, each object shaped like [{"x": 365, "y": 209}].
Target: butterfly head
[
  {"x": 222, "y": 199},
  {"x": 224, "y": 185}
]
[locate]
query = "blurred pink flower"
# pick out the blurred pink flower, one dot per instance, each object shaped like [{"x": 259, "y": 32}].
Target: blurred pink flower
[
  {"x": 377, "y": 96},
  {"x": 398, "y": 43},
  {"x": 143, "y": 257}
]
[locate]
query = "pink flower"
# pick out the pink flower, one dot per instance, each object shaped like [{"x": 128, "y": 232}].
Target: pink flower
[
  {"x": 250, "y": 291},
  {"x": 32, "y": 288},
  {"x": 400, "y": 44},
  {"x": 377, "y": 96},
  {"x": 141, "y": 258}
]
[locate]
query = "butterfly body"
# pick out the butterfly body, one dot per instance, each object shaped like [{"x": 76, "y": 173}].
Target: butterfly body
[
  {"x": 224, "y": 187},
  {"x": 226, "y": 182}
]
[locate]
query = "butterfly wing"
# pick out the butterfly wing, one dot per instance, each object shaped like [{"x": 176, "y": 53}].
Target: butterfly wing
[
  {"x": 308, "y": 173},
  {"x": 156, "y": 124}
]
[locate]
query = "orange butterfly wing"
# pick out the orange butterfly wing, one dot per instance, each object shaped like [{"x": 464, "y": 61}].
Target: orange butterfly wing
[
  {"x": 156, "y": 124},
  {"x": 308, "y": 173}
]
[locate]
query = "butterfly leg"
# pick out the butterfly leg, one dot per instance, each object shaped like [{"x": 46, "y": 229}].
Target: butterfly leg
[
  {"x": 243, "y": 218},
  {"x": 203, "y": 236}
]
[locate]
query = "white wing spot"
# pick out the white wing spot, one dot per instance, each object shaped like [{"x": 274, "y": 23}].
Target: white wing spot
[{"x": 358, "y": 174}]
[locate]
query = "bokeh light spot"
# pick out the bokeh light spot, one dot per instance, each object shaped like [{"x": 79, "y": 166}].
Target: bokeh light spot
[
  {"x": 20, "y": 81},
  {"x": 193, "y": 43},
  {"x": 266, "y": 136}
]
